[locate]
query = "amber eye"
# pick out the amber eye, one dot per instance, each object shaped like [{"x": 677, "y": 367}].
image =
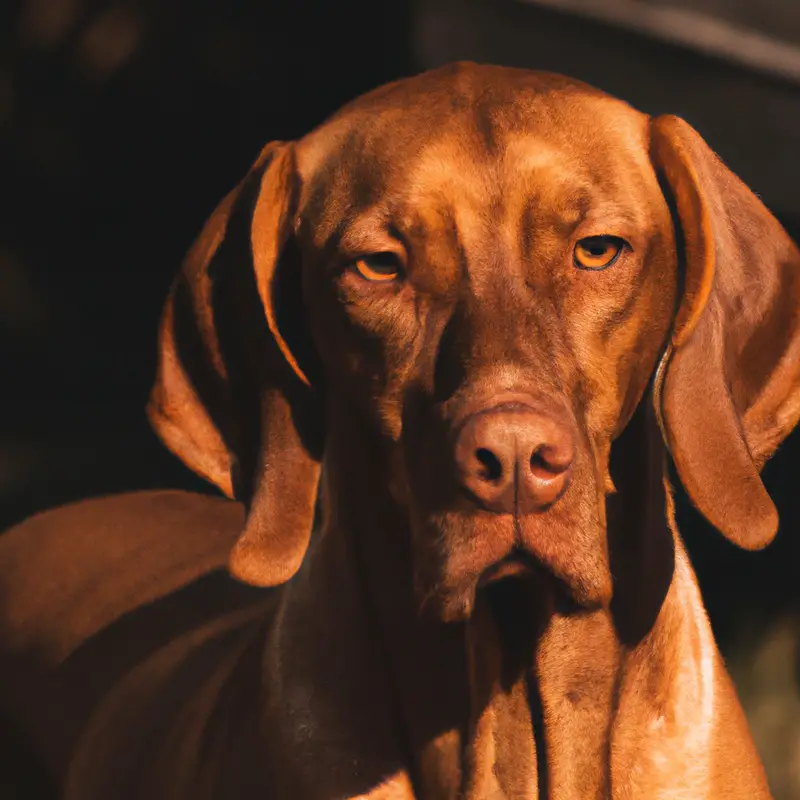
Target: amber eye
[
  {"x": 379, "y": 267},
  {"x": 597, "y": 252}
]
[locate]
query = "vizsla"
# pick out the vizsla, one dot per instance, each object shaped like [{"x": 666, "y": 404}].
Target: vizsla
[{"x": 479, "y": 311}]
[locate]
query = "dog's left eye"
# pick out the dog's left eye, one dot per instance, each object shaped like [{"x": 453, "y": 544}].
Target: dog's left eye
[
  {"x": 379, "y": 267},
  {"x": 597, "y": 252}
]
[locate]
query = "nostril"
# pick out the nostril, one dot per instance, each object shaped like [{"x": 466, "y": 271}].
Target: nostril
[
  {"x": 547, "y": 463},
  {"x": 492, "y": 468}
]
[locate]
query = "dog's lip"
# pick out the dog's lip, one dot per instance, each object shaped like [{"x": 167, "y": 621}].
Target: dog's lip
[{"x": 516, "y": 563}]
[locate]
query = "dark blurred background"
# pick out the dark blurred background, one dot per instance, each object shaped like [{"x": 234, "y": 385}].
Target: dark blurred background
[{"x": 123, "y": 123}]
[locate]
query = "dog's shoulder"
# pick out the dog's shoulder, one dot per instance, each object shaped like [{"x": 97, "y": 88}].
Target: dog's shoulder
[
  {"x": 105, "y": 587},
  {"x": 67, "y": 573}
]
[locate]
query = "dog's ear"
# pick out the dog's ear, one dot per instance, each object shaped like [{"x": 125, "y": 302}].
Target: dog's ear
[
  {"x": 233, "y": 396},
  {"x": 728, "y": 388}
]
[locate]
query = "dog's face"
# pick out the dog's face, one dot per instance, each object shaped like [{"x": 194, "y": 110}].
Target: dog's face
[
  {"x": 483, "y": 268},
  {"x": 492, "y": 288}
]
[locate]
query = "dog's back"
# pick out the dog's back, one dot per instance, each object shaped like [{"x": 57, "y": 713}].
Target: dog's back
[{"x": 92, "y": 591}]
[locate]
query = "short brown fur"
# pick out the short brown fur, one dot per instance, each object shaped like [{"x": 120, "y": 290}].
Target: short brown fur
[{"x": 438, "y": 635}]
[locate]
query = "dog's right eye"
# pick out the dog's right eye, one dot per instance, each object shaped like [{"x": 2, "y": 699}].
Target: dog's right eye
[{"x": 379, "y": 267}]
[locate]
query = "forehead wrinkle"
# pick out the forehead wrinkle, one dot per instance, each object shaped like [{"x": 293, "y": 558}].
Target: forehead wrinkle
[
  {"x": 621, "y": 196},
  {"x": 615, "y": 202},
  {"x": 345, "y": 191},
  {"x": 448, "y": 167},
  {"x": 535, "y": 171},
  {"x": 433, "y": 236},
  {"x": 365, "y": 230},
  {"x": 538, "y": 210},
  {"x": 527, "y": 153},
  {"x": 440, "y": 201},
  {"x": 589, "y": 148}
]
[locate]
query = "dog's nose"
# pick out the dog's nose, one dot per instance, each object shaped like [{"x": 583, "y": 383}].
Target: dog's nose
[{"x": 514, "y": 461}]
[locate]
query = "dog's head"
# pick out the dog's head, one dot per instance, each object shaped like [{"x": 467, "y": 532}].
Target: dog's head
[{"x": 457, "y": 291}]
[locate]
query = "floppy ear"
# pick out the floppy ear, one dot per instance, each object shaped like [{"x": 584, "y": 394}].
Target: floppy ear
[
  {"x": 728, "y": 388},
  {"x": 231, "y": 399}
]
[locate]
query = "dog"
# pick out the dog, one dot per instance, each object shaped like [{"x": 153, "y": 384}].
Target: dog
[{"x": 467, "y": 324}]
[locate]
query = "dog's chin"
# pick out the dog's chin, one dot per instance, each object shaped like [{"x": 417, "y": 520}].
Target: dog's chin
[
  {"x": 460, "y": 555},
  {"x": 518, "y": 569},
  {"x": 458, "y": 605},
  {"x": 516, "y": 575},
  {"x": 517, "y": 564}
]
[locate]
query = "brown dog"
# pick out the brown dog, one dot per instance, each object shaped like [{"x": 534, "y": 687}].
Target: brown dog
[{"x": 463, "y": 296}]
